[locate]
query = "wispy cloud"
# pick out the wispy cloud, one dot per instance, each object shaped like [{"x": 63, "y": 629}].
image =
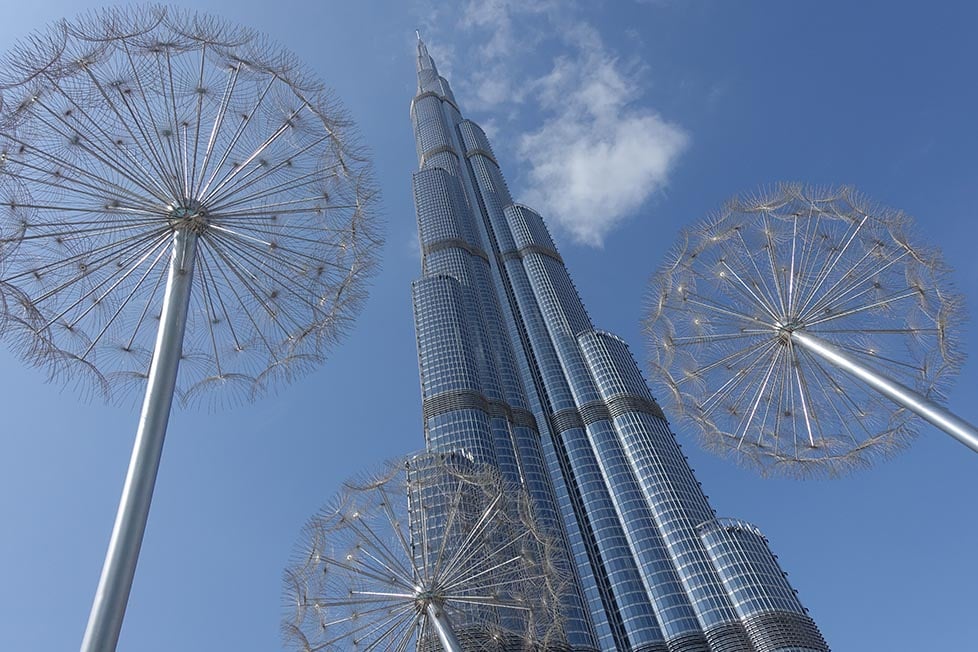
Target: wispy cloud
[
  {"x": 500, "y": 18},
  {"x": 591, "y": 154},
  {"x": 597, "y": 157},
  {"x": 413, "y": 246}
]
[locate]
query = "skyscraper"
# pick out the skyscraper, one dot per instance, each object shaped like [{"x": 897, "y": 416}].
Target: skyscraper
[{"x": 514, "y": 374}]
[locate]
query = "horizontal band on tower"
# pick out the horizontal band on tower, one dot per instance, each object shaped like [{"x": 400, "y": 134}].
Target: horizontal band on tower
[
  {"x": 595, "y": 411},
  {"x": 523, "y": 252},
  {"x": 453, "y": 243},
  {"x": 453, "y": 401},
  {"x": 624, "y": 403},
  {"x": 780, "y": 630},
  {"x": 443, "y": 98},
  {"x": 478, "y": 150},
  {"x": 436, "y": 150}
]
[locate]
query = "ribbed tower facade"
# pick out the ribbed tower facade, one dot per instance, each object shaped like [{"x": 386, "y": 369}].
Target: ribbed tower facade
[{"x": 514, "y": 374}]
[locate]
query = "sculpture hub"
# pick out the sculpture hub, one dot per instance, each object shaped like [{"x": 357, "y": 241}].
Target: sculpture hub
[{"x": 188, "y": 214}]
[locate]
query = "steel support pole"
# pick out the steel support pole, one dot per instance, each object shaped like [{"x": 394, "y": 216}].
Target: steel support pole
[
  {"x": 112, "y": 595},
  {"x": 958, "y": 428},
  {"x": 439, "y": 619}
]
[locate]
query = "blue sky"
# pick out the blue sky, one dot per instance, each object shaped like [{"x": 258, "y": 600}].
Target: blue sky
[{"x": 678, "y": 105}]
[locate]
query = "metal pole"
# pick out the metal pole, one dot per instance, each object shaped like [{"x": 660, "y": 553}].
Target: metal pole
[
  {"x": 112, "y": 595},
  {"x": 446, "y": 634},
  {"x": 958, "y": 428}
]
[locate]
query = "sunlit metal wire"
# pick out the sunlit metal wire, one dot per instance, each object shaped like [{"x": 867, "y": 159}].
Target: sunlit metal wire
[
  {"x": 432, "y": 530},
  {"x": 822, "y": 262},
  {"x": 122, "y": 126}
]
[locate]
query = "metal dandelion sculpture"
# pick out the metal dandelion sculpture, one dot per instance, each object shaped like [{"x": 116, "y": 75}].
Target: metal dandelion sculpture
[
  {"x": 182, "y": 209},
  {"x": 432, "y": 554},
  {"x": 801, "y": 330}
]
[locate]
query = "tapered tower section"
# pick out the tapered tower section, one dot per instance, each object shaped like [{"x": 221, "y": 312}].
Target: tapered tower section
[{"x": 514, "y": 374}]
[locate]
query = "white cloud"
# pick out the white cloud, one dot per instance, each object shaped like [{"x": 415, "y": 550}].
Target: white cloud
[
  {"x": 490, "y": 127},
  {"x": 413, "y": 245},
  {"x": 493, "y": 16},
  {"x": 505, "y": 31},
  {"x": 588, "y": 173},
  {"x": 596, "y": 159},
  {"x": 492, "y": 88},
  {"x": 497, "y": 18}
]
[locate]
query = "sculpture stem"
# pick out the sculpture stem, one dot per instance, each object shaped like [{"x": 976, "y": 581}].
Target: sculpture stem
[
  {"x": 958, "y": 428},
  {"x": 439, "y": 619},
  {"x": 112, "y": 595}
]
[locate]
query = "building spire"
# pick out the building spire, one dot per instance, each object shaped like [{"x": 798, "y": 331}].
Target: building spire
[{"x": 425, "y": 62}]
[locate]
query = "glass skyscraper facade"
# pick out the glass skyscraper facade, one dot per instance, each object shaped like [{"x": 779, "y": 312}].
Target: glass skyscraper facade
[{"x": 514, "y": 374}]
